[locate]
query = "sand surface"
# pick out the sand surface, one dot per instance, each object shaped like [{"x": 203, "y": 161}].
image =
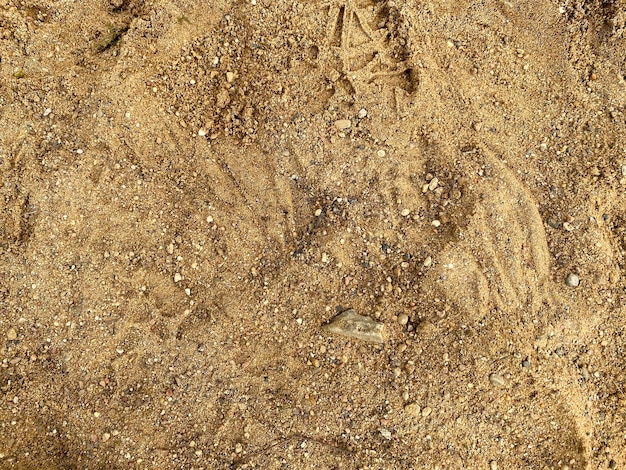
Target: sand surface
[{"x": 191, "y": 190}]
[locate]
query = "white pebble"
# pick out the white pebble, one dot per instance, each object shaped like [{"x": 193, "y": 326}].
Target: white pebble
[
  {"x": 362, "y": 113},
  {"x": 209, "y": 219},
  {"x": 572, "y": 280},
  {"x": 178, "y": 277},
  {"x": 405, "y": 212},
  {"x": 436, "y": 223},
  {"x": 201, "y": 132}
]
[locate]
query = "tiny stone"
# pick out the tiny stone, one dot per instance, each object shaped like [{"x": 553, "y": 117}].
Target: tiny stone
[
  {"x": 106, "y": 436},
  {"x": 428, "y": 261},
  {"x": 526, "y": 362},
  {"x": 427, "y": 411},
  {"x": 318, "y": 212},
  {"x": 343, "y": 124},
  {"x": 357, "y": 326},
  {"x": 230, "y": 77},
  {"x": 381, "y": 153},
  {"x": 201, "y": 132},
  {"x": 436, "y": 223},
  {"x": 497, "y": 380},
  {"x": 178, "y": 277},
  {"x": 209, "y": 219},
  {"x": 405, "y": 212},
  {"x": 413, "y": 409},
  {"x": 623, "y": 170},
  {"x": 567, "y": 226},
  {"x": 433, "y": 183},
  {"x": 11, "y": 334},
  {"x": 493, "y": 465},
  {"x": 238, "y": 448},
  {"x": 362, "y": 113},
  {"x": 572, "y": 280},
  {"x": 325, "y": 258},
  {"x": 385, "y": 433},
  {"x": 403, "y": 319}
]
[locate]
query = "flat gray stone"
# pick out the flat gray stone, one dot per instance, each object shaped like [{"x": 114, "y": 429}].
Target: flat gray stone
[{"x": 353, "y": 325}]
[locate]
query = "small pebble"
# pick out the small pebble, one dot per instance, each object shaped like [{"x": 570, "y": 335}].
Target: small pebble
[
  {"x": 432, "y": 185},
  {"x": 386, "y": 433},
  {"x": 209, "y": 219},
  {"x": 493, "y": 465},
  {"x": 623, "y": 170},
  {"x": 405, "y": 212},
  {"x": 427, "y": 411},
  {"x": 413, "y": 409},
  {"x": 230, "y": 77},
  {"x": 318, "y": 212},
  {"x": 436, "y": 223},
  {"x": 497, "y": 380},
  {"x": 201, "y": 132},
  {"x": 572, "y": 280},
  {"x": 11, "y": 334},
  {"x": 381, "y": 153},
  {"x": 106, "y": 436},
  {"x": 343, "y": 124},
  {"x": 403, "y": 319},
  {"x": 177, "y": 277},
  {"x": 428, "y": 261},
  {"x": 238, "y": 448},
  {"x": 362, "y": 113},
  {"x": 325, "y": 258}
]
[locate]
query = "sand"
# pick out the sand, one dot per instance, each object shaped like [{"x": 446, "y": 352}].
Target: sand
[{"x": 192, "y": 190}]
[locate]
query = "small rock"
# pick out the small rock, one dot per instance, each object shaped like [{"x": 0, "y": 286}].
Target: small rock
[
  {"x": 343, "y": 124},
  {"x": 209, "y": 219},
  {"x": 230, "y": 77},
  {"x": 427, "y": 412},
  {"x": 572, "y": 280},
  {"x": 493, "y": 465},
  {"x": 403, "y": 319},
  {"x": 428, "y": 261},
  {"x": 202, "y": 132},
  {"x": 177, "y": 277},
  {"x": 11, "y": 334},
  {"x": 405, "y": 212},
  {"x": 238, "y": 448},
  {"x": 623, "y": 170},
  {"x": 436, "y": 223},
  {"x": 497, "y": 380},
  {"x": 353, "y": 325},
  {"x": 413, "y": 409},
  {"x": 362, "y": 113},
  {"x": 106, "y": 436},
  {"x": 386, "y": 433},
  {"x": 432, "y": 185},
  {"x": 381, "y": 153}
]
